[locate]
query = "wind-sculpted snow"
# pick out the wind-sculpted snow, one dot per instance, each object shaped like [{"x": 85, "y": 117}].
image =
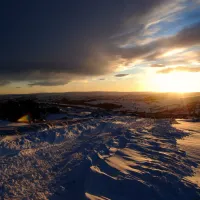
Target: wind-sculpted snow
[{"x": 114, "y": 158}]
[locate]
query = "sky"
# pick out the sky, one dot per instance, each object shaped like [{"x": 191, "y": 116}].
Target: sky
[{"x": 92, "y": 45}]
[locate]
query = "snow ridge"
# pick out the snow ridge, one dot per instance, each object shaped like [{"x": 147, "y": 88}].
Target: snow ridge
[{"x": 104, "y": 158}]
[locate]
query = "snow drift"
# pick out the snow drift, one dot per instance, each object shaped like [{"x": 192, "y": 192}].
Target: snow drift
[{"x": 102, "y": 158}]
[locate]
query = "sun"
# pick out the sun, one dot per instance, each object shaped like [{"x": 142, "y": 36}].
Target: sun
[{"x": 176, "y": 82}]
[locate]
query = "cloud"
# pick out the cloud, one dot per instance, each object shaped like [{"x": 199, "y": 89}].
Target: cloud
[
  {"x": 4, "y": 82},
  {"x": 179, "y": 69},
  {"x": 156, "y": 50},
  {"x": 146, "y": 15},
  {"x": 47, "y": 83},
  {"x": 103, "y": 37},
  {"x": 121, "y": 75},
  {"x": 101, "y": 79},
  {"x": 187, "y": 37},
  {"x": 157, "y": 65}
]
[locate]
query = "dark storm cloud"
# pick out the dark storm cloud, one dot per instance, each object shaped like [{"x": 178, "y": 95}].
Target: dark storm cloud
[
  {"x": 121, "y": 75},
  {"x": 180, "y": 69},
  {"x": 63, "y": 40},
  {"x": 47, "y": 83},
  {"x": 4, "y": 82}
]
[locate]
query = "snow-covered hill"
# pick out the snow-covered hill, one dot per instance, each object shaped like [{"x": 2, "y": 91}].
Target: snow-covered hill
[{"x": 113, "y": 157}]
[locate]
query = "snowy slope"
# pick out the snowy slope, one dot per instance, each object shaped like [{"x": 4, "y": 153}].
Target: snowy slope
[
  {"x": 118, "y": 157},
  {"x": 191, "y": 145}
]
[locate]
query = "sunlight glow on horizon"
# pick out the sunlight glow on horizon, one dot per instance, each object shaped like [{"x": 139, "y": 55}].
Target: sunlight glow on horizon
[
  {"x": 176, "y": 82},
  {"x": 146, "y": 81}
]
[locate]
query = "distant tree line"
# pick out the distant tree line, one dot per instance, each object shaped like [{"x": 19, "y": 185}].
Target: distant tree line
[{"x": 12, "y": 110}]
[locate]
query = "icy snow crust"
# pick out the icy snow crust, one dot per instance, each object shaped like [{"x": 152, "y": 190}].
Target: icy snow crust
[{"x": 118, "y": 157}]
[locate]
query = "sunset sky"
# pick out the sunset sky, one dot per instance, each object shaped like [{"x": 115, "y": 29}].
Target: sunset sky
[{"x": 99, "y": 45}]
